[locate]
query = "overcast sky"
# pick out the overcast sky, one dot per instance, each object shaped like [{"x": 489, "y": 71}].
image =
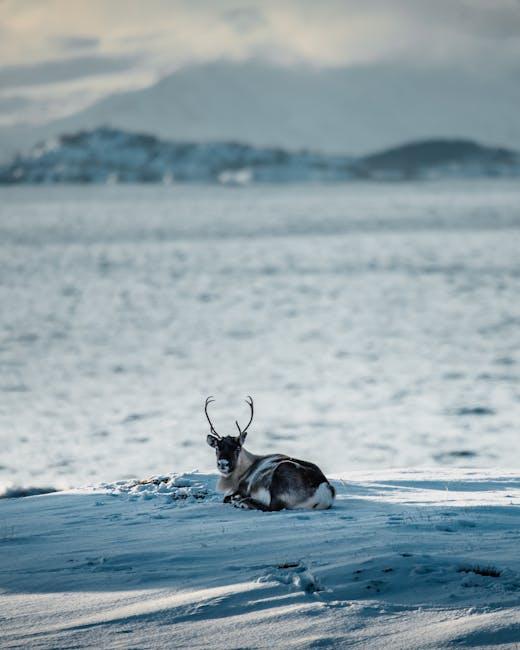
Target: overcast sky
[{"x": 58, "y": 55}]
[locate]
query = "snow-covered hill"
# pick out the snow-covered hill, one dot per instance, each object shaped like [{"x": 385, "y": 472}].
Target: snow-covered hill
[
  {"x": 110, "y": 155},
  {"x": 405, "y": 559},
  {"x": 440, "y": 158},
  {"x": 106, "y": 155}
]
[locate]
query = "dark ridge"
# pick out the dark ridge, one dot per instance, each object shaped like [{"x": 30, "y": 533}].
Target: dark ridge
[
  {"x": 444, "y": 456},
  {"x": 462, "y": 453},
  {"x": 17, "y": 492},
  {"x": 475, "y": 410},
  {"x": 489, "y": 571},
  {"x": 435, "y": 153}
]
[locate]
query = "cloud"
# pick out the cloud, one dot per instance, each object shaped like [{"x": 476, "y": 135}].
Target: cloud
[
  {"x": 487, "y": 18},
  {"x": 15, "y": 103},
  {"x": 329, "y": 32},
  {"x": 51, "y": 42},
  {"x": 244, "y": 19},
  {"x": 50, "y": 72},
  {"x": 74, "y": 43}
]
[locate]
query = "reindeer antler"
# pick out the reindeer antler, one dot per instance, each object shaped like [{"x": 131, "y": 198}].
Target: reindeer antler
[
  {"x": 250, "y": 402},
  {"x": 209, "y": 400}
]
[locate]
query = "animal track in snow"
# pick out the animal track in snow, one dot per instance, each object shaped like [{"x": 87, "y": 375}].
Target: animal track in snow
[{"x": 295, "y": 574}]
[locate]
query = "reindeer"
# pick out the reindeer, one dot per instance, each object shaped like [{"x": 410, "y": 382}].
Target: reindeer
[{"x": 272, "y": 482}]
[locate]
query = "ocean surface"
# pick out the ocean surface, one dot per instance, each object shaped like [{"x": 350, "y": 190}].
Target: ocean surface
[{"x": 375, "y": 325}]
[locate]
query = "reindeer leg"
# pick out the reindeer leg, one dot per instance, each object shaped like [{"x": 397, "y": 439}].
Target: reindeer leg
[
  {"x": 248, "y": 503},
  {"x": 232, "y": 497}
]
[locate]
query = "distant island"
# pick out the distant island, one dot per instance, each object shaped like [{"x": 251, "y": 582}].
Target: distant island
[{"x": 108, "y": 155}]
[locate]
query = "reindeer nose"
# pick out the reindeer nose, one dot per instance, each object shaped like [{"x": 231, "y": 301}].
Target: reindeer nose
[{"x": 223, "y": 465}]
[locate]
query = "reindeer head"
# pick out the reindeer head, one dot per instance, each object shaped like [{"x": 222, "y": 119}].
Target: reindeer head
[{"x": 227, "y": 448}]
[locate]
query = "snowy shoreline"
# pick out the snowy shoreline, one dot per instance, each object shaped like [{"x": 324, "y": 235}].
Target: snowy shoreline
[{"x": 415, "y": 559}]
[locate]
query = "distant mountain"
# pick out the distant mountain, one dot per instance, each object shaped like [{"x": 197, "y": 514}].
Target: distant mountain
[
  {"x": 357, "y": 109},
  {"x": 440, "y": 157},
  {"x": 108, "y": 155}
]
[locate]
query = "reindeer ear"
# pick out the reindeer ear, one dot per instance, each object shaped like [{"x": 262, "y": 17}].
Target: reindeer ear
[
  {"x": 211, "y": 440},
  {"x": 242, "y": 437}
]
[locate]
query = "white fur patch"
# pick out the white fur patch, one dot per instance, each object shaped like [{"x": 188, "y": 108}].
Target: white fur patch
[
  {"x": 262, "y": 495},
  {"x": 320, "y": 500},
  {"x": 290, "y": 500}
]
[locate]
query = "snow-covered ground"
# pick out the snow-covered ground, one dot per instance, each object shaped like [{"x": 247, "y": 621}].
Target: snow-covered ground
[
  {"x": 405, "y": 559},
  {"x": 374, "y": 326}
]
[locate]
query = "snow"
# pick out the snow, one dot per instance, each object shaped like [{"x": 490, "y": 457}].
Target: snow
[
  {"x": 373, "y": 329},
  {"x": 404, "y": 559}
]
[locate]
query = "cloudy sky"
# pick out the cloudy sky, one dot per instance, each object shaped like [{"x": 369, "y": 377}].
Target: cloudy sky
[{"x": 57, "y": 56}]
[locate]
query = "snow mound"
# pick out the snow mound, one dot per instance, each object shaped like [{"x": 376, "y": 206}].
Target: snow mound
[{"x": 190, "y": 487}]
